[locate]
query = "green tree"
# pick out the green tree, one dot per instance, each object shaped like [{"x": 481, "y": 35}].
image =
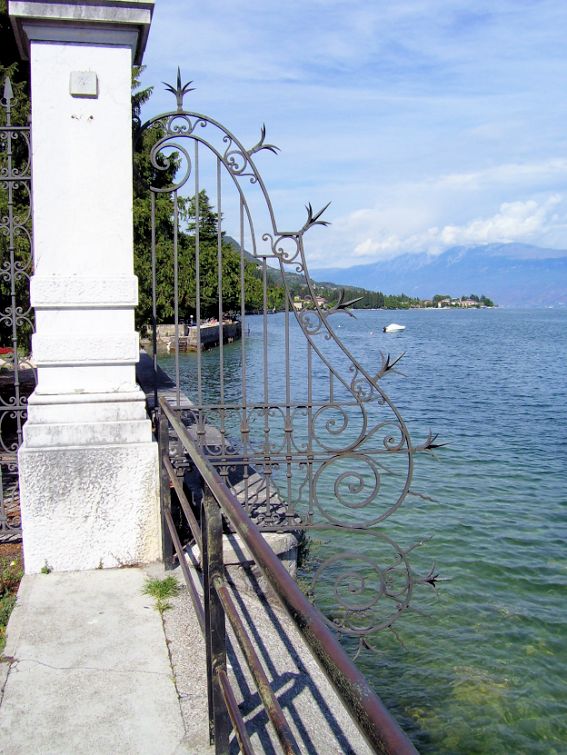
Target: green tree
[
  {"x": 147, "y": 175},
  {"x": 18, "y": 94},
  {"x": 9, "y": 59},
  {"x": 208, "y": 218},
  {"x": 276, "y": 298},
  {"x": 209, "y": 238}
]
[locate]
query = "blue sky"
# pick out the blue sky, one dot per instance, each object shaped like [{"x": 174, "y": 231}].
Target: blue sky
[{"x": 426, "y": 123}]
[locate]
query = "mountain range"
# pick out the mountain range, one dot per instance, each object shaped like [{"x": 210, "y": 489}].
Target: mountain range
[{"x": 512, "y": 275}]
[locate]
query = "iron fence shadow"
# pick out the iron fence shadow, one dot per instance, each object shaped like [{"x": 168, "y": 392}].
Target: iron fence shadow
[{"x": 219, "y": 505}]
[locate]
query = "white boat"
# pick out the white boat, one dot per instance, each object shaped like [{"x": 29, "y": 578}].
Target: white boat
[{"x": 393, "y": 328}]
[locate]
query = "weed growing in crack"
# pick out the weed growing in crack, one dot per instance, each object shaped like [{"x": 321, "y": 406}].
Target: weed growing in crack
[{"x": 161, "y": 590}]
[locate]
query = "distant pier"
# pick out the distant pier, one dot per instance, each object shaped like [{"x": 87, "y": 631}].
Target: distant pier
[{"x": 193, "y": 337}]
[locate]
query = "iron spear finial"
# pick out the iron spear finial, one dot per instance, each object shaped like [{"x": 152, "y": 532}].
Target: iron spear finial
[
  {"x": 180, "y": 90},
  {"x": 8, "y": 91}
]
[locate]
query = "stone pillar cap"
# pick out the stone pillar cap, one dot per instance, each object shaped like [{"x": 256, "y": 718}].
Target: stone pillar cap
[{"x": 106, "y": 22}]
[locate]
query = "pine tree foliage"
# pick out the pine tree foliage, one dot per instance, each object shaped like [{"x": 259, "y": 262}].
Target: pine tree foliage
[
  {"x": 206, "y": 221},
  {"x": 18, "y": 74}
]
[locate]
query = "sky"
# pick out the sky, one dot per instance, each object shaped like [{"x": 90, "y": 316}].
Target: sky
[{"x": 426, "y": 123}]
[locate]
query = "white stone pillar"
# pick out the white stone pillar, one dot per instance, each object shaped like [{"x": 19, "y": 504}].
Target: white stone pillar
[{"x": 88, "y": 465}]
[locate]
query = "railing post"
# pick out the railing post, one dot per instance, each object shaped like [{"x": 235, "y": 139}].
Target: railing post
[
  {"x": 164, "y": 488},
  {"x": 215, "y": 636}
]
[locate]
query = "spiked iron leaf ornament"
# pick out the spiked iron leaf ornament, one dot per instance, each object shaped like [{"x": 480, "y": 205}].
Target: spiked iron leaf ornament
[
  {"x": 429, "y": 444},
  {"x": 432, "y": 577},
  {"x": 313, "y": 218},
  {"x": 180, "y": 90},
  {"x": 342, "y": 305},
  {"x": 388, "y": 364},
  {"x": 260, "y": 145}
]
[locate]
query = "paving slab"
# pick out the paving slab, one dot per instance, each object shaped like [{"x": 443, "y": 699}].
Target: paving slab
[{"x": 89, "y": 669}]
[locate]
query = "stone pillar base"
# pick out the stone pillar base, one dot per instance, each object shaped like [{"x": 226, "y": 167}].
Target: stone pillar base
[{"x": 90, "y": 507}]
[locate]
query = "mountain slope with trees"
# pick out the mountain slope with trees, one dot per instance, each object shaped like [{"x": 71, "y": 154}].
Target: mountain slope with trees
[{"x": 511, "y": 274}]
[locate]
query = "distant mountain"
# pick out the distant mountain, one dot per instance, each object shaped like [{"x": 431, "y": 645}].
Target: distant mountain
[
  {"x": 273, "y": 274},
  {"x": 294, "y": 281},
  {"x": 513, "y": 275}
]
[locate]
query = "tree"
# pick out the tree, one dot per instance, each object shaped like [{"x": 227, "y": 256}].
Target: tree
[
  {"x": 209, "y": 238},
  {"x": 208, "y": 218},
  {"x": 147, "y": 175},
  {"x": 18, "y": 71},
  {"x": 17, "y": 92}
]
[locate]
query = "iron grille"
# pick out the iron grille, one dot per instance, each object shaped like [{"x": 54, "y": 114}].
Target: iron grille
[
  {"x": 307, "y": 440},
  {"x": 16, "y": 324}
]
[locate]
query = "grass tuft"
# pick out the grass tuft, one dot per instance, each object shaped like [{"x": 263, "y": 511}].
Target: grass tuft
[
  {"x": 161, "y": 590},
  {"x": 10, "y": 575}
]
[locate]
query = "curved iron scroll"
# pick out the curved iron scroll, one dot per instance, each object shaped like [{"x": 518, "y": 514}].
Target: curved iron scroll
[{"x": 309, "y": 441}]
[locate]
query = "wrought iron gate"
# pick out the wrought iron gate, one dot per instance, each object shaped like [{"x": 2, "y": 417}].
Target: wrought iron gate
[
  {"x": 17, "y": 379},
  {"x": 301, "y": 431}
]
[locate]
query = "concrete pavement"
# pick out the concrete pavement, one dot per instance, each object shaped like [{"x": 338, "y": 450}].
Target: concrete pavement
[
  {"x": 89, "y": 670},
  {"x": 93, "y": 670}
]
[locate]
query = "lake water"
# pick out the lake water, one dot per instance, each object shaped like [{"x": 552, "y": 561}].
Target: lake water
[{"x": 481, "y": 667}]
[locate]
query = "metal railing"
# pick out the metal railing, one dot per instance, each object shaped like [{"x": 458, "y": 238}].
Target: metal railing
[{"x": 373, "y": 720}]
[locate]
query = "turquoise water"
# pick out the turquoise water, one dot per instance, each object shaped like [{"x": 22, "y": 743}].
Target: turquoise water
[{"x": 481, "y": 667}]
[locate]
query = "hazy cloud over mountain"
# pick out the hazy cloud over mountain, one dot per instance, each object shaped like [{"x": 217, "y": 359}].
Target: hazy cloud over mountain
[{"x": 514, "y": 221}]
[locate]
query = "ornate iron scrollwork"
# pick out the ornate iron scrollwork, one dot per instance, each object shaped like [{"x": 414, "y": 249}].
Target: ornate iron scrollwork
[{"x": 338, "y": 454}]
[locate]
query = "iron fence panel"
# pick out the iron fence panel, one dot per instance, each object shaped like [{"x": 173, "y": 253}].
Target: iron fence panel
[
  {"x": 17, "y": 378},
  {"x": 308, "y": 440}
]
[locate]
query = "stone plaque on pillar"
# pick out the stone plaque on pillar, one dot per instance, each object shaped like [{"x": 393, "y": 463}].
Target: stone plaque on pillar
[{"x": 88, "y": 464}]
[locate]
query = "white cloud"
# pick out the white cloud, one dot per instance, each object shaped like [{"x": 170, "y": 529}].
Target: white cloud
[
  {"x": 514, "y": 221},
  {"x": 519, "y": 221},
  {"x": 505, "y": 174}
]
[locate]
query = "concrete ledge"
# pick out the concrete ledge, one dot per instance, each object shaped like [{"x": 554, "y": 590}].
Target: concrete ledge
[
  {"x": 122, "y": 22},
  {"x": 71, "y": 291},
  {"x": 241, "y": 568}
]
